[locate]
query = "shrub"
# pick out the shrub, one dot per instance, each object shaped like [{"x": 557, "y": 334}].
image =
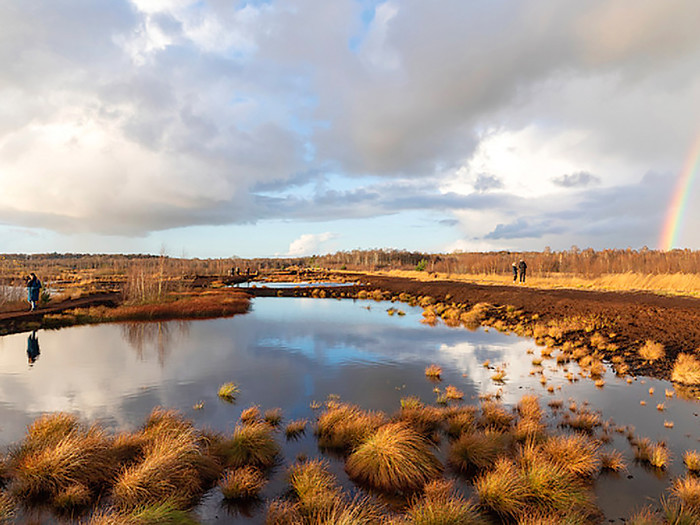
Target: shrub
[
  {"x": 242, "y": 483},
  {"x": 686, "y": 370},
  {"x": 395, "y": 458}
]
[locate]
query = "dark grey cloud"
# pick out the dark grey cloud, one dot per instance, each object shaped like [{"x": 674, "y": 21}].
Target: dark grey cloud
[
  {"x": 574, "y": 180},
  {"x": 485, "y": 182}
]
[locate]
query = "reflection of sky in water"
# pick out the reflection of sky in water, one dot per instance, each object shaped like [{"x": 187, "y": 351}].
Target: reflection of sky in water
[{"x": 289, "y": 352}]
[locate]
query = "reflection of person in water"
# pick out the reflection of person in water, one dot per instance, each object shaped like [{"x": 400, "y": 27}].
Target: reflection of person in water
[{"x": 32, "y": 347}]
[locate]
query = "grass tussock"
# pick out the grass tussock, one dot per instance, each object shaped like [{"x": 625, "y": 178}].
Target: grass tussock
[
  {"x": 242, "y": 483},
  {"x": 273, "y": 417},
  {"x": 57, "y": 457},
  {"x": 441, "y": 505},
  {"x": 502, "y": 489},
  {"x": 691, "y": 459},
  {"x": 174, "y": 467},
  {"x": 426, "y": 420},
  {"x": 686, "y": 370},
  {"x": 645, "y": 516},
  {"x": 460, "y": 420},
  {"x": 395, "y": 458},
  {"x": 652, "y": 351},
  {"x": 343, "y": 426},
  {"x": 687, "y": 491},
  {"x": 576, "y": 453},
  {"x": 250, "y": 415},
  {"x": 163, "y": 513},
  {"x": 495, "y": 416},
  {"x": 296, "y": 428},
  {"x": 7, "y": 508},
  {"x": 228, "y": 392},
  {"x": 474, "y": 451},
  {"x": 612, "y": 461},
  {"x": 251, "y": 445},
  {"x": 433, "y": 371}
]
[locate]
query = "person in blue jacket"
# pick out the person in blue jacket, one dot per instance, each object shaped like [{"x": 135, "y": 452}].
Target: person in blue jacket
[{"x": 33, "y": 287}]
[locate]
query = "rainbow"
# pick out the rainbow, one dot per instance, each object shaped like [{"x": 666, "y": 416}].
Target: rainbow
[{"x": 674, "y": 215}]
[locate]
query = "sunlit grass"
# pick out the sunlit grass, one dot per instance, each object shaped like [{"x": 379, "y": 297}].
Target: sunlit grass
[
  {"x": 343, "y": 426},
  {"x": 576, "y": 453},
  {"x": 242, "y": 483},
  {"x": 687, "y": 491},
  {"x": 686, "y": 370},
  {"x": 478, "y": 450},
  {"x": 394, "y": 458},
  {"x": 441, "y": 505},
  {"x": 228, "y": 391},
  {"x": 691, "y": 459},
  {"x": 295, "y": 428},
  {"x": 251, "y": 445},
  {"x": 652, "y": 351}
]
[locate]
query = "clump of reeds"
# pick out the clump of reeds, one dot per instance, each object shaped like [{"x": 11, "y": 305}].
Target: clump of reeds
[
  {"x": 612, "y": 461},
  {"x": 495, "y": 416},
  {"x": 454, "y": 393},
  {"x": 687, "y": 491},
  {"x": 342, "y": 426},
  {"x": 242, "y": 483},
  {"x": 426, "y": 420},
  {"x": 295, "y": 428},
  {"x": 656, "y": 454},
  {"x": 645, "y": 516},
  {"x": 314, "y": 487},
  {"x": 459, "y": 420},
  {"x": 250, "y": 414},
  {"x": 228, "y": 392},
  {"x": 502, "y": 490},
  {"x": 499, "y": 375},
  {"x": 583, "y": 420},
  {"x": 175, "y": 466},
  {"x": 394, "y": 458},
  {"x": 478, "y": 450},
  {"x": 161, "y": 513},
  {"x": 273, "y": 417},
  {"x": 440, "y": 504},
  {"x": 251, "y": 445},
  {"x": 576, "y": 453},
  {"x": 691, "y": 458},
  {"x": 652, "y": 351},
  {"x": 433, "y": 371},
  {"x": 686, "y": 370},
  {"x": 58, "y": 457},
  {"x": 7, "y": 508}
]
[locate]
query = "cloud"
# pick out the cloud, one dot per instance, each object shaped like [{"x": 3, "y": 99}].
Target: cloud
[
  {"x": 309, "y": 243},
  {"x": 572, "y": 180},
  {"x": 134, "y": 116}
]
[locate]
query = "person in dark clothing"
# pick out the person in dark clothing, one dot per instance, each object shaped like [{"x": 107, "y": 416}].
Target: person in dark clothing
[
  {"x": 522, "y": 268},
  {"x": 32, "y": 348},
  {"x": 515, "y": 272},
  {"x": 33, "y": 287}
]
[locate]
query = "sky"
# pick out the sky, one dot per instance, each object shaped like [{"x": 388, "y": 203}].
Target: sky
[{"x": 219, "y": 128}]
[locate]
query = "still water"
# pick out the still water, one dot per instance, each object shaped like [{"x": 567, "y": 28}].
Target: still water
[{"x": 290, "y": 352}]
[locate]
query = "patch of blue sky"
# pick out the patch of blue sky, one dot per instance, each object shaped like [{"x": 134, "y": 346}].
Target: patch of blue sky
[{"x": 367, "y": 13}]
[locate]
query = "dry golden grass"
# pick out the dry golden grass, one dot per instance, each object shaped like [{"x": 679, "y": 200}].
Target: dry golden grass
[
  {"x": 495, "y": 416},
  {"x": 251, "y": 445},
  {"x": 502, "y": 490},
  {"x": 250, "y": 414},
  {"x": 612, "y": 461},
  {"x": 7, "y": 508},
  {"x": 273, "y": 417},
  {"x": 342, "y": 426},
  {"x": 652, "y": 351},
  {"x": 499, "y": 375},
  {"x": 441, "y": 505},
  {"x": 645, "y": 516},
  {"x": 687, "y": 491},
  {"x": 163, "y": 513},
  {"x": 281, "y": 512},
  {"x": 426, "y": 420},
  {"x": 478, "y": 450},
  {"x": 54, "y": 458},
  {"x": 582, "y": 420},
  {"x": 295, "y": 428},
  {"x": 551, "y": 486},
  {"x": 242, "y": 483},
  {"x": 686, "y": 370},
  {"x": 433, "y": 371},
  {"x": 459, "y": 420},
  {"x": 394, "y": 458},
  {"x": 314, "y": 487},
  {"x": 691, "y": 458},
  {"x": 576, "y": 453},
  {"x": 656, "y": 454},
  {"x": 452, "y": 392},
  {"x": 529, "y": 408}
]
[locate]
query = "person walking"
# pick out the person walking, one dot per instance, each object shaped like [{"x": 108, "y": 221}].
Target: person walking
[
  {"x": 515, "y": 271},
  {"x": 522, "y": 268},
  {"x": 33, "y": 287}
]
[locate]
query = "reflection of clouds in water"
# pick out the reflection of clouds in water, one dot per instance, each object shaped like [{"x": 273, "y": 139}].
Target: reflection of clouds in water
[{"x": 469, "y": 358}]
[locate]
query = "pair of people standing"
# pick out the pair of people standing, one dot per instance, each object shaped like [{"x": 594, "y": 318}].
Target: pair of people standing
[
  {"x": 519, "y": 269},
  {"x": 33, "y": 288}
]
